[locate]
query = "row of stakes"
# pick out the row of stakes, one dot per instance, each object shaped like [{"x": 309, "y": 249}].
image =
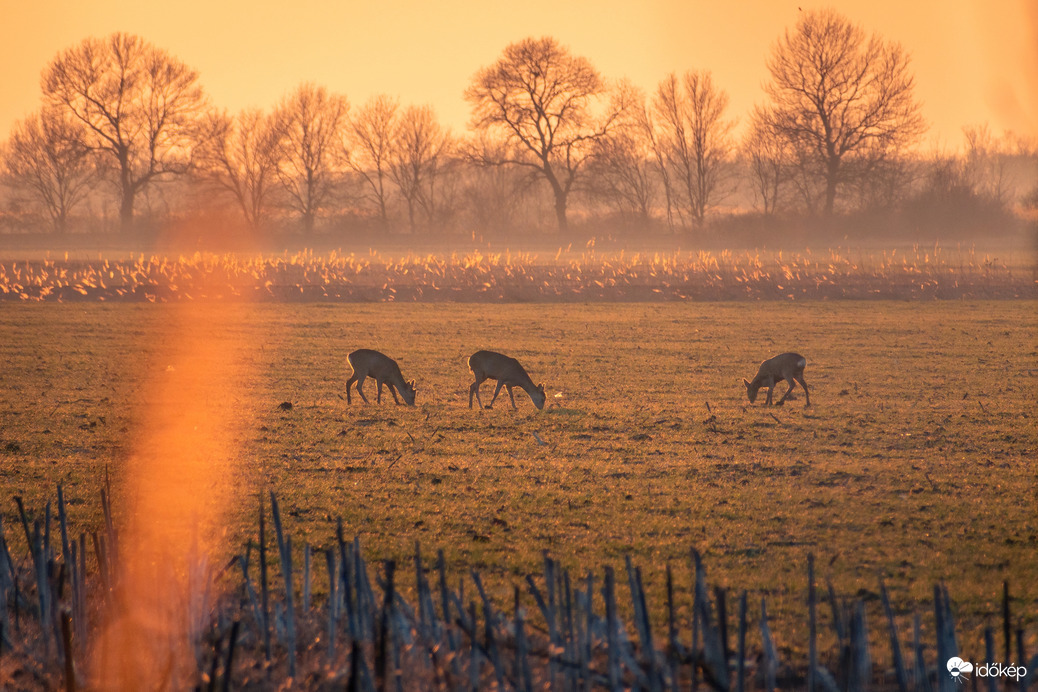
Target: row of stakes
[{"x": 50, "y": 606}]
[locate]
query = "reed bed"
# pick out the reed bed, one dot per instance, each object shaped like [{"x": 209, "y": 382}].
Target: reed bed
[{"x": 919, "y": 273}]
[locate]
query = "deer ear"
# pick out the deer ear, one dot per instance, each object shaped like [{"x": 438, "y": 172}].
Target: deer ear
[
  {"x": 540, "y": 387},
  {"x": 745, "y": 382}
]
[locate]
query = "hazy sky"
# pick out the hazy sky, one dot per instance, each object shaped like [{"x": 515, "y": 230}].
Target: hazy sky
[{"x": 976, "y": 61}]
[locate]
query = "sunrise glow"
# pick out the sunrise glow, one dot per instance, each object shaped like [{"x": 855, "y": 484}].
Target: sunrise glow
[{"x": 975, "y": 62}]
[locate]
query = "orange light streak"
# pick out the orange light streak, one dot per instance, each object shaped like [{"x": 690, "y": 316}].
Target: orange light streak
[{"x": 178, "y": 486}]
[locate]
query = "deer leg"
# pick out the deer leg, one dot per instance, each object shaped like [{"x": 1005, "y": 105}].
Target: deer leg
[
  {"x": 771, "y": 388},
  {"x": 514, "y": 407},
  {"x": 474, "y": 389},
  {"x": 392, "y": 390},
  {"x": 360, "y": 390},
  {"x": 379, "y": 398},
  {"x": 497, "y": 390},
  {"x": 349, "y": 384},
  {"x": 792, "y": 383},
  {"x": 803, "y": 384}
]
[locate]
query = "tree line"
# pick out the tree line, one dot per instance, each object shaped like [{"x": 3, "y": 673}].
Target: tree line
[{"x": 123, "y": 125}]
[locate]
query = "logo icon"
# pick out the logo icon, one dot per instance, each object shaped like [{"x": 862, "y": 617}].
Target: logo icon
[{"x": 958, "y": 668}]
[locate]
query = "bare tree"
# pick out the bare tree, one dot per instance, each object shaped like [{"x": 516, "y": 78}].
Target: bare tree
[
  {"x": 885, "y": 183},
  {"x": 239, "y": 156},
  {"x": 645, "y": 121},
  {"x": 622, "y": 174},
  {"x": 986, "y": 164},
  {"x": 46, "y": 158},
  {"x": 444, "y": 200},
  {"x": 310, "y": 122},
  {"x": 840, "y": 99},
  {"x": 418, "y": 147},
  {"x": 138, "y": 105},
  {"x": 540, "y": 99},
  {"x": 694, "y": 138},
  {"x": 495, "y": 196},
  {"x": 367, "y": 149},
  {"x": 768, "y": 161}
]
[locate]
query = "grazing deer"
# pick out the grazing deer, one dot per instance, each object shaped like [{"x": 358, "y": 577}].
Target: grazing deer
[
  {"x": 786, "y": 366},
  {"x": 508, "y": 373},
  {"x": 367, "y": 363}
]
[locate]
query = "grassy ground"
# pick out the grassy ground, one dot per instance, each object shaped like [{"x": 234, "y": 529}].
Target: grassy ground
[{"x": 915, "y": 461}]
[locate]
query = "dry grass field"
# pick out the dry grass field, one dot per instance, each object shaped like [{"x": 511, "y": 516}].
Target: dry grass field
[{"x": 915, "y": 461}]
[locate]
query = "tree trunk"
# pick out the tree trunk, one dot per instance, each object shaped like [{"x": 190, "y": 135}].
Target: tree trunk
[
  {"x": 832, "y": 174},
  {"x": 561, "y": 194},
  {"x": 830, "y": 197},
  {"x": 560, "y": 211},
  {"x": 560, "y": 204},
  {"x": 383, "y": 214},
  {"x": 126, "y": 211},
  {"x": 126, "y": 187}
]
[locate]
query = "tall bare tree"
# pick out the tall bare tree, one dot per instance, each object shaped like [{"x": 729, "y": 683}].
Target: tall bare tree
[
  {"x": 495, "y": 196},
  {"x": 418, "y": 148},
  {"x": 443, "y": 202},
  {"x": 841, "y": 99},
  {"x": 986, "y": 164},
  {"x": 540, "y": 99},
  {"x": 239, "y": 156},
  {"x": 622, "y": 174},
  {"x": 310, "y": 122},
  {"x": 694, "y": 138},
  {"x": 368, "y": 144},
  {"x": 46, "y": 158},
  {"x": 645, "y": 120},
  {"x": 138, "y": 105},
  {"x": 768, "y": 162}
]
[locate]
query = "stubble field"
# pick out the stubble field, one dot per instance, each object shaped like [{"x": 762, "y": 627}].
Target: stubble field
[{"x": 914, "y": 463}]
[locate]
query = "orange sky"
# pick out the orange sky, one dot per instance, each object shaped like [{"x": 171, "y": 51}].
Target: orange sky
[{"x": 976, "y": 61}]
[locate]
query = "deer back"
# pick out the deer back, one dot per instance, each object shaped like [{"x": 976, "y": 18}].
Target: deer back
[{"x": 497, "y": 366}]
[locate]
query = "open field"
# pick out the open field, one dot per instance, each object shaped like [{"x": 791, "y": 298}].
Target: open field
[{"x": 915, "y": 462}]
